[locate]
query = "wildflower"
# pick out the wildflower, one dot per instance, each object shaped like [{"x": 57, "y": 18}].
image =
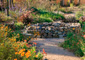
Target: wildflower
[
  {"x": 44, "y": 51},
  {"x": 35, "y": 43},
  {"x": 14, "y": 39},
  {"x": 23, "y": 49},
  {"x": 22, "y": 54},
  {"x": 36, "y": 56},
  {"x": 9, "y": 29},
  {"x": 2, "y": 27},
  {"x": 16, "y": 48},
  {"x": 73, "y": 44},
  {"x": 18, "y": 42},
  {"x": 35, "y": 51},
  {"x": 18, "y": 34},
  {"x": 20, "y": 51},
  {"x": 79, "y": 40},
  {"x": 77, "y": 43},
  {"x": 6, "y": 27},
  {"x": 25, "y": 40},
  {"x": 28, "y": 54},
  {"x": 16, "y": 52},
  {"x": 30, "y": 45},
  {"x": 29, "y": 37},
  {"x": 28, "y": 25},
  {"x": 2, "y": 44},
  {"x": 84, "y": 36},
  {"x": 15, "y": 59},
  {"x": 27, "y": 45},
  {"x": 73, "y": 28}
]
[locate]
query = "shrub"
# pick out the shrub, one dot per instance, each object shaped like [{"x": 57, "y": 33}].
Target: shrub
[
  {"x": 75, "y": 42},
  {"x": 18, "y": 25},
  {"x": 25, "y": 18},
  {"x": 50, "y": 15},
  {"x": 79, "y": 14}
]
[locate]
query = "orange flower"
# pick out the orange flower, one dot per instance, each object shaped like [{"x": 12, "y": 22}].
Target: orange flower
[
  {"x": 84, "y": 36},
  {"x": 44, "y": 51},
  {"x": 35, "y": 43},
  {"x": 16, "y": 52},
  {"x": 20, "y": 51},
  {"x": 23, "y": 49},
  {"x": 29, "y": 37},
  {"x": 36, "y": 56},
  {"x": 28, "y": 54},
  {"x": 18, "y": 34},
  {"x": 18, "y": 42},
  {"x": 16, "y": 48},
  {"x": 73, "y": 28},
  {"x": 22, "y": 54},
  {"x": 77, "y": 43},
  {"x": 15, "y": 59},
  {"x": 25, "y": 40}
]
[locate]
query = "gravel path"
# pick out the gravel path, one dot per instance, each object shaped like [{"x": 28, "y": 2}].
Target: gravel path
[{"x": 54, "y": 52}]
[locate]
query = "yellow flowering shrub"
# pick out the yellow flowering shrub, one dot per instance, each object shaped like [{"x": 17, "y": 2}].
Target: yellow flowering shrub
[{"x": 13, "y": 49}]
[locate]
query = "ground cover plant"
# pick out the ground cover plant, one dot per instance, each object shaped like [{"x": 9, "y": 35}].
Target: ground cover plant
[
  {"x": 46, "y": 16},
  {"x": 66, "y": 10}
]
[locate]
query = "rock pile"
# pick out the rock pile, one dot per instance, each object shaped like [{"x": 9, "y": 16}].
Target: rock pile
[{"x": 53, "y": 30}]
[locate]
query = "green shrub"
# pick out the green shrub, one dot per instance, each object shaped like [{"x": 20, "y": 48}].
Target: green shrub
[
  {"x": 41, "y": 20},
  {"x": 18, "y": 25},
  {"x": 75, "y": 42},
  {"x": 50, "y": 15},
  {"x": 65, "y": 10},
  {"x": 79, "y": 14}
]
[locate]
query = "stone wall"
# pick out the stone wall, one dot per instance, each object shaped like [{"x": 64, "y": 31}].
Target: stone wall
[{"x": 53, "y": 30}]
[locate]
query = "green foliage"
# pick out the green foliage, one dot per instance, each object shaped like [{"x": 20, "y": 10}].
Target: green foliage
[
  {"x": 18, "y": 25},
  {"x": 45, "y": 16},
  {"x": 41, "y": 20},
  {"x": 79, "y": 14},
  {"x": 4, "y": 17},
  {"x": 65, "y": 10},
  {"x": 75, "y": 42}
]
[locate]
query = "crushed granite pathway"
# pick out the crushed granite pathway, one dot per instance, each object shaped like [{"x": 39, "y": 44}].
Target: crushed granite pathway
[{"x": 54, "y": 52}]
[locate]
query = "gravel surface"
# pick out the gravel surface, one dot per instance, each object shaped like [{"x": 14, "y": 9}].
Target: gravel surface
[{"x": 54, "y": 52}]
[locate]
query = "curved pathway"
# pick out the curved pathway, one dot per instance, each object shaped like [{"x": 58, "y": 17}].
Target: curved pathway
[{"x": 54, "y": 52}]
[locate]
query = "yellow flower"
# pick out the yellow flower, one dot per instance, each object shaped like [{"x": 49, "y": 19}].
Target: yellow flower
[
  {"x": 22, "y": 54},
  {"x": 2, "y": 44},
  {"x": 15, "y": 59},
  {"x": 16, "y": 52}
]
